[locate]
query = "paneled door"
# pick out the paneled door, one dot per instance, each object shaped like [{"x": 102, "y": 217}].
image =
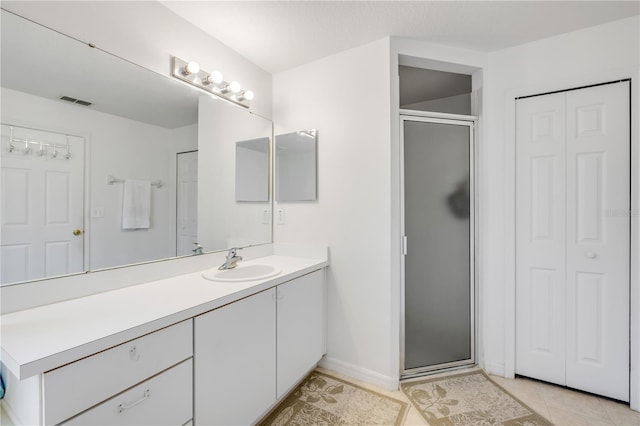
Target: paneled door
[
  {"x": 572, "y": 238},
  {"x": 187, "y": 202},
  {"x": 42, "y": 209}
]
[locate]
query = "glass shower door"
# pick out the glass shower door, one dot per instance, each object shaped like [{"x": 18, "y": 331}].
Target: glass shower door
[{"x": 438, "y": 224}]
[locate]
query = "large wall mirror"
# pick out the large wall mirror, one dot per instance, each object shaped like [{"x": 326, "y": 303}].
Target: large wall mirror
[{"x": 82, "y": 129}]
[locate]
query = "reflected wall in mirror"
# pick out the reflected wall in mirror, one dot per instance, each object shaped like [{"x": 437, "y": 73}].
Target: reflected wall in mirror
[
  {"x": 296, "y": 166},
  {"x": 252, "y": 170},
  {"x": 130, "y": 122},
  {"x": 239, "y": 224}
]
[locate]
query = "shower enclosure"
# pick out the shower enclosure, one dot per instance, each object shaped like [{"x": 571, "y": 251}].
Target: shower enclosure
[{"x": 438, "y": 271}]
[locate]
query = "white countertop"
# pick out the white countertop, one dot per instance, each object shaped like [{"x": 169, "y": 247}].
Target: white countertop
[{"x": 43, "y": 338}]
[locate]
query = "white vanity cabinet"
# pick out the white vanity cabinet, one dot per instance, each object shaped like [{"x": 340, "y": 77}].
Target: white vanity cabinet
[
  {"x": 235, "y": 357},
  {"x": 82, "y": 384},
  {"x": 203, "y": 353},
  {"x": 165, "y": 399},
  {"x": 147, "y": 380},
  {"x": 301, "y": 323},
  {"x": 249, "y": 353}
]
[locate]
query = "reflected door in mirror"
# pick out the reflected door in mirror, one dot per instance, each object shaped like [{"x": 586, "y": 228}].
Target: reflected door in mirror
[
  {"x": 187, "y": 203},
  {"x": 42, "y": 205}
]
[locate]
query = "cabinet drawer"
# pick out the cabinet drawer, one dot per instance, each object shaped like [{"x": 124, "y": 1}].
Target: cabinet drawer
[
  {"x": 77, "y": 386},
  {"x": 162, "y": 400}
]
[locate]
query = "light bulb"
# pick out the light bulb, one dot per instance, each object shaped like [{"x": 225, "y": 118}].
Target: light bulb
[
  {"x": 248, "y": 95},
  {"x": 214, "y": 78},
  {"x": 234, "y": 86},
  {"x": 191, "y": 68}
]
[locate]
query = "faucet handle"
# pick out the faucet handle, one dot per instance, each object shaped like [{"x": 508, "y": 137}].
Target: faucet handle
[{"x": 234, "y": 250}]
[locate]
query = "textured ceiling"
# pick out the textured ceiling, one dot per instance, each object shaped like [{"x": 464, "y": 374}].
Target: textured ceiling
[{"x": 279, "y": 35}]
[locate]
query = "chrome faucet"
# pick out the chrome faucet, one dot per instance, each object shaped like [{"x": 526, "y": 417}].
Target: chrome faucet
[
  {"x": 198, "y": 249},
  {"x": 232, "y": 259}
]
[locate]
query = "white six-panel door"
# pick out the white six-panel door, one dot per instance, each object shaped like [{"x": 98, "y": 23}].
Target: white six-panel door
[
  {"x": 572, "y": 239},
  {"x": 42, "y": 209},
  {"x": 541, "y": 238},
  {"x": 187, "y": 203}
]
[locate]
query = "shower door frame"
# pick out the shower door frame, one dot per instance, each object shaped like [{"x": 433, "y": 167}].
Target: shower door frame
[{"x": 450, "y": 119}]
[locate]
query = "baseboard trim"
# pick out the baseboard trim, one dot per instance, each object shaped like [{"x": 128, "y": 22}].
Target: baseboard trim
[
  {"x": 359, "y": 373},
  {"x": 495, "y": 369}
]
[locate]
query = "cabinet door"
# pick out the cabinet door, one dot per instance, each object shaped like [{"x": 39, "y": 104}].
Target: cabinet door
[
  {"x": 301, "y": 328},
  {"x": 235, "y": 358}
]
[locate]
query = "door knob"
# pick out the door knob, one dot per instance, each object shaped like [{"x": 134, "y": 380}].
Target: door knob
[
  {"x": 77, "y": 232},
  {"x": 591, "y": 255}
]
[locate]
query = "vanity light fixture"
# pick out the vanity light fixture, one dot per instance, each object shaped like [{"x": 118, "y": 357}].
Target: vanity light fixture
[
  {"x": 245, "y": 94},
  {"x": 235, "y": 87},
  {"x": 211, "y": 82},
  {"x": 191, "y": 68},
  {"x": 215, "y": 77}
]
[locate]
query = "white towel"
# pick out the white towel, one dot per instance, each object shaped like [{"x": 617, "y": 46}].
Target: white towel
[{"x": 136, "y": 204}]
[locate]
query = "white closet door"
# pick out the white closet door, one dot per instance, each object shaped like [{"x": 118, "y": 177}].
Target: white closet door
[
  {"x": 598, "y": 202},
  {"x": 572, "y": 239},
  {"x": 540, "y": 238}
]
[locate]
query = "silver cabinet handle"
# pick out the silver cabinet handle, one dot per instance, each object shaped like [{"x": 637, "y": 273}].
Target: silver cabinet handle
[
  {"x": 123, "y": 407},
  {"x": 591, "y": 255}
]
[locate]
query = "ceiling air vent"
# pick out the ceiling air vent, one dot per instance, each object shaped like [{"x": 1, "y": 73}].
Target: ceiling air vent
[{"x": 75, "y": 101}]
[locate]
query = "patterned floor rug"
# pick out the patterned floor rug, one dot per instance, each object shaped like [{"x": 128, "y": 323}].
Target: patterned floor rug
[
  {"x": 470, "y": 398},
  {"x": 322, "y": 399}
]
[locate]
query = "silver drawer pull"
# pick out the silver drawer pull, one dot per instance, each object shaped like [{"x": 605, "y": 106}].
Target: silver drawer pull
[{"x": 123, "y": 407}]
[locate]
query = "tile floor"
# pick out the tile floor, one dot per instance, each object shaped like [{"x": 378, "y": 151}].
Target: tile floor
[{"x": 561, "y": 406}]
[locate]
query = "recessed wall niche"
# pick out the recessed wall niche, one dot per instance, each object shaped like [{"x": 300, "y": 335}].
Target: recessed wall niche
[{"x": 435, "y": 91}]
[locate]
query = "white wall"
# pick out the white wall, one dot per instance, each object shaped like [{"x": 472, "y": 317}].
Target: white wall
[
  {"x": 147, "y": 33},
  {"x": 123, "y": 148},
  {"x": 594, "y": 55},
  {"x": 346, "y": 97}
]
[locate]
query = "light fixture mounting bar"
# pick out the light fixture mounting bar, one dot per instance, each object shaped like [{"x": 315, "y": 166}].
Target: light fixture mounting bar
[{"x": 180, "y": 70}]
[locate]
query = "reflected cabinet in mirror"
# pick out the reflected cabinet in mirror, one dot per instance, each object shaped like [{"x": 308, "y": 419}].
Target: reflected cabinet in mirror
[
  {"x": 296, "y": 166},
  {"x": 105, "y": 163}
]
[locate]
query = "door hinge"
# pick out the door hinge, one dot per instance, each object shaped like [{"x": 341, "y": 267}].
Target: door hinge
[{"x": 404, "y": 245}]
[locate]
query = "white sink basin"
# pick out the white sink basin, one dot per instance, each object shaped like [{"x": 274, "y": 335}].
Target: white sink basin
[{"x": 242, "y": 273}]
